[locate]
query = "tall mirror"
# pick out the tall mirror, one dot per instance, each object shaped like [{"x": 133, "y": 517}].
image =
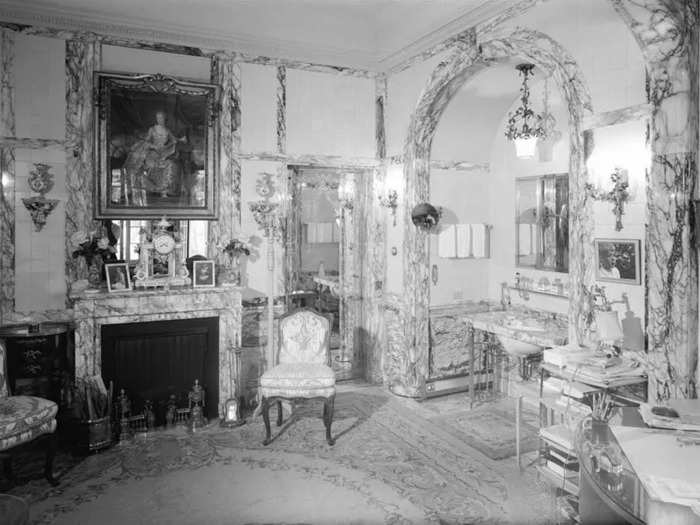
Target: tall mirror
[
  {"x": 542, "y": 222},
  {"x": 321, "y": 261}
]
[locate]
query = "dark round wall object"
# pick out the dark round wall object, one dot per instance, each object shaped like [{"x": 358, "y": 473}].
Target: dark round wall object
[{"x": 425, "y": 215}]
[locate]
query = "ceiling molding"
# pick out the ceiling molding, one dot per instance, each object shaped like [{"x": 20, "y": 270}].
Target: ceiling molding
[
  {"x": 359, "y": 62},
  {"x": 127, "y": 28},
  {"x": 434, "y": 42}
]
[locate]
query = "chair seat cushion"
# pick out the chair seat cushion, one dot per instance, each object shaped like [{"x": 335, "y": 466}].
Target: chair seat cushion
[
  {"x": 298, "y": 380},
  {"x": 23, "y": 418}
]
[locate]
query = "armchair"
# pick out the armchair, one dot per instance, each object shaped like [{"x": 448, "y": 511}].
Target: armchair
[
  {"x": 23, "y": 419},
  {"x": 303, "y": 370}
]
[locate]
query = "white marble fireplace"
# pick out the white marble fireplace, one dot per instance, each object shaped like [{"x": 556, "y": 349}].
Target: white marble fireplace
[{"x": 93, "y": 310}]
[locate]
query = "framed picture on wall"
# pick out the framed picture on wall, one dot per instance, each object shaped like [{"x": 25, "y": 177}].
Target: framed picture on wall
[
  {"x": 118, "y": 278},
  {"x": 155, "y": 147},
  {"x": 203, "y": 273},
  {"x": 618, "y": 260}
]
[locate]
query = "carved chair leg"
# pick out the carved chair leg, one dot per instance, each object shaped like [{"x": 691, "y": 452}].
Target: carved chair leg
[
  {"x": 279, "y": 413},
  {"x": 7, "y": 470},
  {"x": 328, "y": 418},
  {"x": 266, "y": 418},
  {"x": 50, "y": 454}
]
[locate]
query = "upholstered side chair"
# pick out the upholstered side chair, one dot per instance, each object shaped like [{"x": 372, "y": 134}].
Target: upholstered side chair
[
  {"x": 24, "y": 419},
  {"x": 303, "y": 367}
]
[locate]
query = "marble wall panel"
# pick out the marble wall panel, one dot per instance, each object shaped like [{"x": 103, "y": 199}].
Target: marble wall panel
[
  {"x": 92, "y": 311},
  {"x": 225, "y": 71},
  {"x": 83, "y": 58},
  {"x": 7, "y": 175},
  {"x": 381, "y": 90},
  {"x": 281, "y": 109},
  {"x": 372, "y": 247}
]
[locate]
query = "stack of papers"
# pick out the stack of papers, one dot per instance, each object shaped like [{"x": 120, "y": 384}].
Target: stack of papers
[{"x": 562, "y": 356}]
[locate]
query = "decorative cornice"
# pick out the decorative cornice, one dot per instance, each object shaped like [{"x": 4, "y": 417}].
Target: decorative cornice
[
  {"x": 209, "y": 42},
  {"x": 67, "y": 23}
]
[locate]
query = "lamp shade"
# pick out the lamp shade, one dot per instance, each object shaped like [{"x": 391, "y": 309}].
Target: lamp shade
[
  {"x": 609, "y": 329},
  {"x": 525, "y": 148}
]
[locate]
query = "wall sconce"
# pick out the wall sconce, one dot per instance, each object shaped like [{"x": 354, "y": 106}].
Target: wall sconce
[
  {"x": 618, "y": 194},
  {"x": 390, "y": 201},
  {"x": 268, "y": 217},
  {"x": 524, "y": 125},
  {"x": 346, "y": 194}
]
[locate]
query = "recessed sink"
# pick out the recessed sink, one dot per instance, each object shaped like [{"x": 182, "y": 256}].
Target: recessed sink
[{"x": 518, "y": 348}]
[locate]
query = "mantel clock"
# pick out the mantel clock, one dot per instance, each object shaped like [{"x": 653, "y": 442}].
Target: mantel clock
[{"x": 160, "y": 259}]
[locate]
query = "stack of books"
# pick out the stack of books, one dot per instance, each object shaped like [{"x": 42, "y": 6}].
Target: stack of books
[{"x": 589, "y": 366}]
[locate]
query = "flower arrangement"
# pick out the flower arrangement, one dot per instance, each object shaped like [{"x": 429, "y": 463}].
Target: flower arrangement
[
  {"x": 237, "y": 247},
  {"x": 97, "y": 244}
]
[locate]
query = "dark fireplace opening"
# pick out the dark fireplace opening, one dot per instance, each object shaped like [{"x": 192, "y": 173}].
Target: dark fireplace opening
[{"x": 153, "y": 360}]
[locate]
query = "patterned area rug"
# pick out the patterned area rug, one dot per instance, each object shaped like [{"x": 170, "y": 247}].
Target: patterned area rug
[
  {"x": 389, "y": 465},
  {"x": 476, "y": 427}
]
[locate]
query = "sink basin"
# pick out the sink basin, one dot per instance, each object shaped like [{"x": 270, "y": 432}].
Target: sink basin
[{"x": 518, "y": 348}]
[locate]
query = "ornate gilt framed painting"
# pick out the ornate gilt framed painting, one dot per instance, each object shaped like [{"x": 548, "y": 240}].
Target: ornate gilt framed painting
[{"x": 156, "y": 147}]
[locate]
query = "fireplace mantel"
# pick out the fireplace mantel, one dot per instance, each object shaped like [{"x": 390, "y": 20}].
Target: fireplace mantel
[{"x": 93, "y": 310}]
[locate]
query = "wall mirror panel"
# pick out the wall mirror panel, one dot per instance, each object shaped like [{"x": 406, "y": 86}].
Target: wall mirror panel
[
  {"x": 542, "y": 222},
  {"x": 321, "y": 252}
]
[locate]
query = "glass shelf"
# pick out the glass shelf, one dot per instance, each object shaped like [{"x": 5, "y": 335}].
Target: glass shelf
[{"x": 536, "y": 291}]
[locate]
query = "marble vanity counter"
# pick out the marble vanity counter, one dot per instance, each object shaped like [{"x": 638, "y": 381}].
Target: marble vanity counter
[{"x": 530, "y": 326}]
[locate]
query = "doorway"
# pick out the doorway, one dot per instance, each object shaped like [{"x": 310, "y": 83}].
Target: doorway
[{"x": 323, "y": 262}]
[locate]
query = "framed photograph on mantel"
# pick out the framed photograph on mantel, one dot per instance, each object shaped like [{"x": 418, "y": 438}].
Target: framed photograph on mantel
[
  {"x": 618, "y": 260},
  {"x": 156, "y": 147}
]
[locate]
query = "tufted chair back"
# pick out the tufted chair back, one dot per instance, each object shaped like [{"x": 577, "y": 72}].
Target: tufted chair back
[
  {"x": 304, "y": 337},
  {"x": 4, "y": 389}
]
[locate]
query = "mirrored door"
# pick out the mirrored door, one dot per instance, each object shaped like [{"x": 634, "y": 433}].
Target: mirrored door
[{"x": 322, "y": 264}]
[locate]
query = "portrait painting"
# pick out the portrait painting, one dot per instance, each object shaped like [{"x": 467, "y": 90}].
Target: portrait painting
[
  {"x": 203, "y": 273},
  {"x": 618, "y": 260},
  {"x": 118, "y": 278},
  {"x": 155, "y": 147}
]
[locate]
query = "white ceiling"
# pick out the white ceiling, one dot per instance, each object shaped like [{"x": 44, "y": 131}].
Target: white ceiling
[{"x": 367, "y": 34}]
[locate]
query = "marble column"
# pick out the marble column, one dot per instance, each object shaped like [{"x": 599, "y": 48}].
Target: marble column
[
  {"x": 373, "y": 250},
  {"x": 83, "y": 58},
  {"x": 667, "y": 33},
  {"x": 407, "y": 367},
  {"x": 226, "y": 72},
  {"x": 7, "y": 174}
]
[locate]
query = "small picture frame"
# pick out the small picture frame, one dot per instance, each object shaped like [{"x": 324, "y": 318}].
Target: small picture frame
[
  {"x": 203, "y": 274},
  {"x": 618, "y": 260},
  {"x": 118, "y": 279}
]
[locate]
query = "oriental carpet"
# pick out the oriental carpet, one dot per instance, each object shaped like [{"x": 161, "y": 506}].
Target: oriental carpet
[{"x": 390, "y": 464}]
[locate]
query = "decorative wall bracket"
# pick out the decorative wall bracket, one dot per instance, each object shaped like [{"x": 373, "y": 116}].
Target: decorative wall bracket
[
  {"x": 39, "y": 209},
  {"x": 618, "y": 195},
  {"x": 40, "y": 181}
]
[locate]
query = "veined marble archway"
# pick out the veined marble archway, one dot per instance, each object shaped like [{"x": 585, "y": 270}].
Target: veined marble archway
[
  {"x": 406, "y": 365},
  {"x": 667, "y": 33}
]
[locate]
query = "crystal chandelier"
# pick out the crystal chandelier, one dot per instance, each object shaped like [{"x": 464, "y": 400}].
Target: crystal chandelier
[{"x": 525, "y": 126}]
